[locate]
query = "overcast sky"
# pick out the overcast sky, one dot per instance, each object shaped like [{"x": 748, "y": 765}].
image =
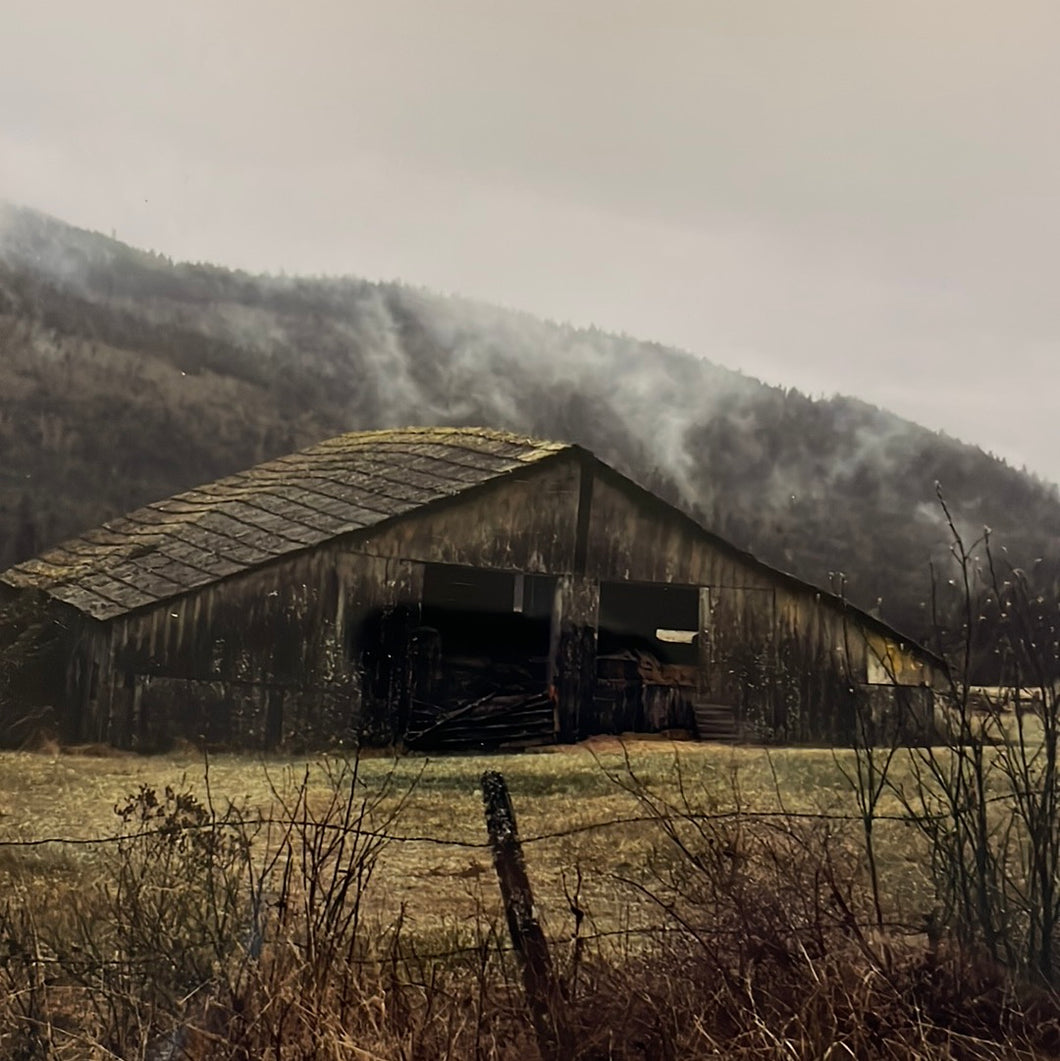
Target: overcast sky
[{"x": 854, "y": 196}]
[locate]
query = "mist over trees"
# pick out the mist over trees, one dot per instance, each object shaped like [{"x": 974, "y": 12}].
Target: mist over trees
[{"x": 125, "y": 377}]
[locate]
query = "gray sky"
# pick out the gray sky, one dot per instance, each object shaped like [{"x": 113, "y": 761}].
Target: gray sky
[{"x": 840, "y": 195}]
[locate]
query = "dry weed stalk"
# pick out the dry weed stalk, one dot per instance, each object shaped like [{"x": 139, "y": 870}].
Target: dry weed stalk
[{"x": 217, "y": 933}]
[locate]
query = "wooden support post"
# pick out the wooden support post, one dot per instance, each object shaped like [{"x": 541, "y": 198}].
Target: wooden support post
[
  {"x": 572, "y": 655},
  {"x": 543, "y": 995}
]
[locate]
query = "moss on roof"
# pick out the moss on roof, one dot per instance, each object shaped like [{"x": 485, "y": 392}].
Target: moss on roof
[{"x": 339, "y": 486}]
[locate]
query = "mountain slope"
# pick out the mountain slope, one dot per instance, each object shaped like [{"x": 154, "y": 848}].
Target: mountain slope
[{"x": 125, "y": 377}]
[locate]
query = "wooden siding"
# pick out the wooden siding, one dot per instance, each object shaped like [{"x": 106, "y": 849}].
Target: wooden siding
[
  {"x": 635, "y": 537},
  {"x": 790, "y": 662},
  {"x": 524, "y": 523},
  {"x": 269, "y": 641}
]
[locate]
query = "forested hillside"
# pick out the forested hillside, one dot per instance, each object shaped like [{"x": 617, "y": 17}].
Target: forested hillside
[{"x": 125, "y": 377}]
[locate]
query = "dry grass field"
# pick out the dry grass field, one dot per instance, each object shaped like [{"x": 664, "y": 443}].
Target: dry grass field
[
  {"x": 700, "y": 901},
  {"x": 573, "y": 804}
]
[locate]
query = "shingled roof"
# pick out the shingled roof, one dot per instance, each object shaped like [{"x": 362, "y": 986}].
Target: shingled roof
[{"x": 346, "y": 484}]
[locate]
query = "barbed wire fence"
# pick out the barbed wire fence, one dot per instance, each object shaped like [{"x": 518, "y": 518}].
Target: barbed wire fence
[
  {"x": 531, "y": 840},
  {"x": 527, "y": 949},
  {"x": 449, "y": 841}
]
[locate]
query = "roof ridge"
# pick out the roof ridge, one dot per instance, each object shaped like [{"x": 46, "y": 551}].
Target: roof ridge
[{"x": 469, "y": 430}]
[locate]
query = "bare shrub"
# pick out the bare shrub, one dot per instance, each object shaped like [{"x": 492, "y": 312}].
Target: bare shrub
[
  {"x": 214, "y": 932},
  {"x": 771, "y": 946},
  {"x": 27, "y": 1031},
  {"x": 986, "y": 799}
]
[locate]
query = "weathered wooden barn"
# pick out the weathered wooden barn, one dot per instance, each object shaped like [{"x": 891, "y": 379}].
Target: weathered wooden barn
[{"x": 443, "y": 588}]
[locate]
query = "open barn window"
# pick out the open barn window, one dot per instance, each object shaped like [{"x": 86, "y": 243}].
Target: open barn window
[{"x": 661, "y": 620}]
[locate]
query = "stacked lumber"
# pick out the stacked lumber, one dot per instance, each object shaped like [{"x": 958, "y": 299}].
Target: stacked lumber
[{"x": 501, "y": 720}]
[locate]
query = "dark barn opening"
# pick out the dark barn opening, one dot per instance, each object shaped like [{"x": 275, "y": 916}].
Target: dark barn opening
[
  {"x": 649, "y": 618},
  {"x": 647, "y": 656},
  {"x": 480, "y": 675}
]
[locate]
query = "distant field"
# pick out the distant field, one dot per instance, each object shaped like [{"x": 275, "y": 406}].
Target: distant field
[{"x": 444, "y": 875}]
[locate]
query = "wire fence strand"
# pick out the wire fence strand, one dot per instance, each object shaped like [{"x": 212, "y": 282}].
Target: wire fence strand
[{"x": 691, "y": 818}]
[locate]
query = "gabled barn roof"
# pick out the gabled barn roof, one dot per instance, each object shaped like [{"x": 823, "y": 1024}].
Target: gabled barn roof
[{"x": 345, "y": 484}]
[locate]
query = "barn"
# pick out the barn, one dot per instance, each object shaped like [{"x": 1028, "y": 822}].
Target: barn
[{"x": 449, "y": 588}]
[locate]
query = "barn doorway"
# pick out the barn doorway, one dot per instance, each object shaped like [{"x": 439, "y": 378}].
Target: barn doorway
[
  {"x": 480, "y": 676},
  {"x": 647, "y": 657},
  {"x": 657, "y": 619}
]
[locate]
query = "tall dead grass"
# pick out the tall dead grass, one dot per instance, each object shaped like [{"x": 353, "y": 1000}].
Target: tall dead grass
[{"x": 215, "y": 930}]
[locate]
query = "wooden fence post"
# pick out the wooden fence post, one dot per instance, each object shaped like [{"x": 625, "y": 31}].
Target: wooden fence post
[{"x": 543, "y": 995}]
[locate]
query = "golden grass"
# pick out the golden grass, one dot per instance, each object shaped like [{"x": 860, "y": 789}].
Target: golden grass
[
  {"x": 73, "y": 794},
  {"x": 581, "y": 791},
  {"x": 807, "y": 986}
]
